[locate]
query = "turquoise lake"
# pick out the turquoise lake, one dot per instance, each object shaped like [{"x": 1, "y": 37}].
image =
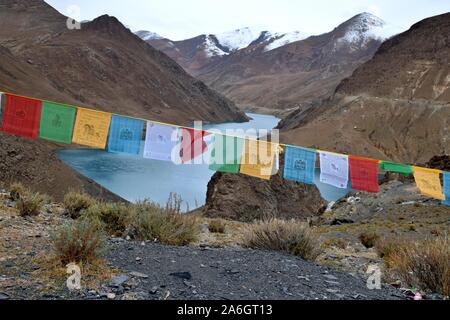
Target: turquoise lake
[{"x": 135, "y": 178}]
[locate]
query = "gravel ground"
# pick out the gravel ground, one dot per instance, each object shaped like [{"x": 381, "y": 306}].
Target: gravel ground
[{"x": 153, "y": 271}]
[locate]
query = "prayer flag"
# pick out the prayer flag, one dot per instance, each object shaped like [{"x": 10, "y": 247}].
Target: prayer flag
[
  {"x": 300, "y": 164},
  {"x": 160, "y": 141},
  {"x": 125, "y": 135},
  {"x": 429, "y": 182},
  {"x": 364, "y": 174},
  {"x": 334, "y": 169},
  {"x": 258, "y": 160},
  {"x": 91, "y": 128},
  {"x": 57, "y": 122},
  {"x": 396, "y": 167},
  {"x": 192, "y": 145},
  {"x": 22, "y": 116},
  {"x": 446, "y": 188},
  {"x": 227, "y": 154}
]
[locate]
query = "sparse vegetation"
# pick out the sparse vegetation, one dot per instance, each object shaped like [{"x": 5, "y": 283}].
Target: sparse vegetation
[
  {"x": 216, "y": 226},
  {"x": 111, "y": 217},
  {"x": 30, "y": 204},
  {"x": 289, "y": 236},
  {"x": 423, "y": 264},
  {"x": 17, "y": 189},
  {"x": 75, "y": 202},
  {"x": 369, "y": 239},
  {"x": 79, "y": 242},
  {"x": 149, "y": 221}
]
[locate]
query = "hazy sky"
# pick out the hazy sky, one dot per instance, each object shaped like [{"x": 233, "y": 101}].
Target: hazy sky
[{"x": 181, "y": 19}]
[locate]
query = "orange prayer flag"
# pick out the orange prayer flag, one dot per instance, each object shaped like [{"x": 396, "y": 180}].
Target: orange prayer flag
[
  {"x": 259, "y": 159},
  {"x": 429, "y": 182},
  {"x": 91, "y": 128}
]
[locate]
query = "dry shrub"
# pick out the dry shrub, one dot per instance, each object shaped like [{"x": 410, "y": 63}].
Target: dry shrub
[
  {"x": 111, "y": 217},
  {"x": 369, "y": 239},
  {"x": 79, "y": 242},
  {"x": 288, "y": 236},
  {"x": 30, "y": 204},
  {"x": 75, "y": 202},
  {"x": 423, "y": 264},
  {"x": 149, "y": 221},
  {"x": 216, "y": 226},
  {"x": 17, "y": 189}
]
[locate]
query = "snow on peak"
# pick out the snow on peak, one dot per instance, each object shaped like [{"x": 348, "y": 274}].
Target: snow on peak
[
  {"x": 148, "y": 35},
  {"x": 211, "y": 47},
  {"x": 365, "y": 27},
  {"x": 282, "y": 39},
  {"x": 239, "y": 39}
]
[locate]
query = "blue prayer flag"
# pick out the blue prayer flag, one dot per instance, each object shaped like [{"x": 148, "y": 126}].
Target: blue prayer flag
[
  {"x": 125, "y": 135},
  {"x": 300, "y": 164},
  {"x": 446, "y": 176}
]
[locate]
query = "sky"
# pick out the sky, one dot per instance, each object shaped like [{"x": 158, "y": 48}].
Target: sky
[{"x": 182, "y": 19}]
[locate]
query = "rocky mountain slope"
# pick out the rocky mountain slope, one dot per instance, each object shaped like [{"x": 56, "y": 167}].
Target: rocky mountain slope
[
  {"x": 395, "y": 106},
  {"x": 104, "y": 66}
]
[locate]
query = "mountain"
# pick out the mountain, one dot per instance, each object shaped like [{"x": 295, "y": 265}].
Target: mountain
[
  {"x": 103, "y": 66},
  {"x": 148, "y": 35},
  {"x": 299, "y": 72},
  {"x": 196, "y": 53},
  {"x": 395, "y": 106}
]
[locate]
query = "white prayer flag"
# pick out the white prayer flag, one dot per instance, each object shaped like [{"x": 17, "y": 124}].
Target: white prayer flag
[
  {"x": 334, "y": 169},
  {"x": 160, "y": 141}
]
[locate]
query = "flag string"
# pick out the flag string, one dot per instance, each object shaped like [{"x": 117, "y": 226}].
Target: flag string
[{"x": 190, "y": 128}]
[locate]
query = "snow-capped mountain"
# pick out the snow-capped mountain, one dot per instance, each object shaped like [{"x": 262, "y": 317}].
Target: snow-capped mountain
[
  {"x": 241, "y": 38},
  {"x": 363, "y": 28},
  {"x": 281, "y": 39},
  {"x": 148, "y": 35}
]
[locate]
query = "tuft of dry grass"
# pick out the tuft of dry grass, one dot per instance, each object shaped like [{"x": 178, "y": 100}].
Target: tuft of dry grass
[
  {"x": 216, "y": 226},
  {"x": 30, "y": 204},
  {"x": 111, "y": 217},
  {"x": 423, "y": 264},
  {"x": 75, "y": 202},
  {"x": 149, "y": 221},
  {"x": 292, "y": 237},
  {"x": 78, "y": 242},
  {"x": 369, "y": 239},
  {"x": 17, "y": 189}
]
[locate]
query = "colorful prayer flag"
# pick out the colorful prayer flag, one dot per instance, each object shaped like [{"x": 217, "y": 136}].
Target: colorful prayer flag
[
  {"x": 125, "y": 135},
  {"x": 22, "y": 116},
  {"x": 446, "y": 188},
  {"x": 160, "y": 142},
  {"x": 334, "y": 169},
  {"x": 227, "y": 154},
  {"x": 364, "y": 174},
  {"x": 258, "y": 160},
  {"x": 91, "y": 128},
  {"x": 192, "y": 145},
  {"x": 396, "y": 167},
  {"x": 57, "y": 122},
  {"x": 429, "y": 182},
  {"x": 300, "y": 164}
]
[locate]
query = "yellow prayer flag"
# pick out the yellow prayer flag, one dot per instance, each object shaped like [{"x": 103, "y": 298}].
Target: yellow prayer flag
[
  {"x": 258, "y": 159},
  {"x": 91, "y": 128},
  {"x": 429, "y": 182}
]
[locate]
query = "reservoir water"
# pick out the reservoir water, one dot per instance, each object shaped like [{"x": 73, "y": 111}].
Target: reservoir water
[{"x": 135, "y": 178}]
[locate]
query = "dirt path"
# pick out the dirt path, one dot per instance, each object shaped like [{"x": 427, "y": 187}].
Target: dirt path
[{"x": 154, "y": 271}]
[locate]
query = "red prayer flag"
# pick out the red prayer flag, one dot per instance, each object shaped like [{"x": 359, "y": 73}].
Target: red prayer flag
[
  {"x": 364, "y": 174},
  {"x": 22, "y": 116},
  {"x": 192, "y": 144}
]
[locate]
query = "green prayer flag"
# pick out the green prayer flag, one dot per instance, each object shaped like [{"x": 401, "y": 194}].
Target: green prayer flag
[
  {"x": 57, "y": 122},
  {"x": 396, "y": 167},
  {"x": 227, "y": 153}
]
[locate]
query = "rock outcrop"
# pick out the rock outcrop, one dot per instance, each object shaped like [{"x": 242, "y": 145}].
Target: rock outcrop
[{"x": 243, "y": 198}]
